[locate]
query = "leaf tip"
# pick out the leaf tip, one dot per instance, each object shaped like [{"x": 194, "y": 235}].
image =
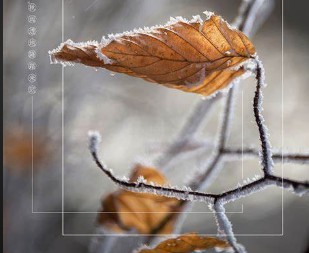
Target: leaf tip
[
  {"x": 65, "y": 53},
  {"x": 53, "y": 54}
]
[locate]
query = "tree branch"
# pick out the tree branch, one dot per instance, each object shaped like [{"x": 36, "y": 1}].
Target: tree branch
[
  {"x": 225, "y": 227},
  {"x": 184, "y": 195},
  {"x": 226, "y": 119},
  {"x": 266, "y": 155},
  {"x": 187, "y": 193},
  {"x": 143, "y": 187},
  {"x": 277, "y": 156}
]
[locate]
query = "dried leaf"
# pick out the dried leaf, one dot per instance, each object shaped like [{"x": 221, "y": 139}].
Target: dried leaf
[
  {"x": 19, "y": 154},
  {"x": 194, "y": 56},
  {"x": 124, "y": 210},
  {"x": 186, "y": 243}
]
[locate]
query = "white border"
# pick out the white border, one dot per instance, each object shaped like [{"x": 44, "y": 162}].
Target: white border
[{"x": 282, "y": 110}]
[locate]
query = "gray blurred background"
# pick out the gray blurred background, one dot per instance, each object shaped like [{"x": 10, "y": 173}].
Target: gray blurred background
[{"x": 137, "y": 120}]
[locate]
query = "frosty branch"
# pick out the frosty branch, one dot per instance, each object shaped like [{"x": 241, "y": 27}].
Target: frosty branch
[
  {"x": 266, "y": 155},
  {"x": 195, "y": 192},
  {"x": 191, "y": 149},
  {"x": 301, "y": 158},
  {"x": 187, "y": 193}
]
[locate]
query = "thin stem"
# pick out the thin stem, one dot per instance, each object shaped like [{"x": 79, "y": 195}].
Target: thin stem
[
  {"x": 167, "y": 218},
  {"x": 298, "y": 187},
  {"x": 260, "y": 184},
  {"x": 225, "y": 228},
  {"x": 267, "y": 161},
  {"x": 171, "y": 192},
  {"x": 245, "y": 190},
  {"x": 174, "y": 192},
  {"x": 226, "y": 119},
  {"x": 286, "y": 157},
  {"x": 192, "y": 124},
  {"x": 201, "y": 181},
  {"x": 246, "y": 152},
  {"x": 218, "y": 200},
  {"x": 253, "y": 11}
]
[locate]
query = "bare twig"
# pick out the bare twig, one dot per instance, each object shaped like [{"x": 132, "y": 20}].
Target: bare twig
[
  {"x": 194, "y": 121},
  {"x": 188, "y": 194},
  {"x": 266, "y": 155},
  {"x": 286, "y": 157},
  {"x": 225, "y": 227},
  {"x": 218, "y": 200},
  {"x": 168, "y": 191},
  {"x": 233, "y": 153},
  {"x": 227, "y": 115}
]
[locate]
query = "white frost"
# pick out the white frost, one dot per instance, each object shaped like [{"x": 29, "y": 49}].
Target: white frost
[
  {"x": 300, "y": 190},
  {"x": 69, "y": 42},
  {"x": 173, "y": 20},
  {"x": 125, "y": 179},
  {"x": 208, "y": 14},
  {"x": 102, "y": 56},
  {"x": 197, "y": 19},
  {"x": 141, "y": 179},
  {"x": 94, "y": 140}
]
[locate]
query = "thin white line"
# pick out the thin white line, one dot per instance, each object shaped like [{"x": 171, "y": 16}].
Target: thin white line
[
  {"x": 242, "y": 134},
  {"x": 242, "y": 140},
  {"x": 62, "y": 123},
  {"x": 62, "y": 146},
  {"x": 57, "y": 212},
  {"x": 138, "y": 235},
  {"x": 282, "y": 111},
  {"x": 62, "y": 20}
]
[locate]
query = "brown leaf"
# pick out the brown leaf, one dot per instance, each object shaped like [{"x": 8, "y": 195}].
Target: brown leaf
[
  {"x": 20, "y": 150},
  {"x": 186, "y": 243},
  {"x": 124, "y": 210},
  {"x": 194, "y": 56}
]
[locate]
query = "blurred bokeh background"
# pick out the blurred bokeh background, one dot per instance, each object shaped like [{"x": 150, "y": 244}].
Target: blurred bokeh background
[{"x": 137, "y": 121}]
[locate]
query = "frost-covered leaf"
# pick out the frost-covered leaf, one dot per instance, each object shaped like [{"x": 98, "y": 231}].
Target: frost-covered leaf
[
  {"x": 194, "y": 56},
  {"x": 123, "y": 210},
  {"x": 186, "y": 243}
]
